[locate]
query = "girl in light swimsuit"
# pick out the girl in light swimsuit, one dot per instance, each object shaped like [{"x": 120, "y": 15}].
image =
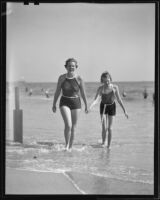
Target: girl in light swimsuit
[
  {"x": 71, "y": 85},
  {"x": 108, "y": 93}
]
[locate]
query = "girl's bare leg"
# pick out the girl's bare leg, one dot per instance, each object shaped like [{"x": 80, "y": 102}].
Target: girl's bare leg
[
  {"x": 74, "y": 117},
  {"x": 66, "y": 115},
  {"x": 110, "y": 122},
  {"x": 104, "y": 129}
]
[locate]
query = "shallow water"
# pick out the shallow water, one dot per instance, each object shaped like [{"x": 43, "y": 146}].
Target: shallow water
[{"x": 131, "y": 157}]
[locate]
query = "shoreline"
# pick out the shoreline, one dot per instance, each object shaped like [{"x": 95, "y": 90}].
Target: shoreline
[{"x": 22, "y": 181}]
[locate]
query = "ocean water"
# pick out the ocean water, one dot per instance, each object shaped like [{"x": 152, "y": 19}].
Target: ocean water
[{"x": 131, "y": 158}]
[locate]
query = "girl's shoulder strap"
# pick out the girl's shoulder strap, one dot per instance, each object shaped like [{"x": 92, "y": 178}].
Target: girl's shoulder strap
[
  {"x": 78, "y": 79},
  {"x": 101, "y": 89},
  {"x": 114, "y": 88},
  {"x": 62, "y": 78}
]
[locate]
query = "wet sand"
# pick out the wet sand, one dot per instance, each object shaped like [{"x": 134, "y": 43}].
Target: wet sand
[
  {"x": 33, "y": 182},
  {"x": 92, "y": 184}
]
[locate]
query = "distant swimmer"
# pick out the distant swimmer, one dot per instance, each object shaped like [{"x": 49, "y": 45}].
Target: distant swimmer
[
  {"x": 30, "y": 92},
  {"x": 47, "y": 93},
  {"x": 34, "y": 157},
  {"x": 124, "y": 94},
  {"x": 145, "y": 93}
]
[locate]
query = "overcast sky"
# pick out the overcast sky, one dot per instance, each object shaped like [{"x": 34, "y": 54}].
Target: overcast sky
[{"x": 119, "y": 38}]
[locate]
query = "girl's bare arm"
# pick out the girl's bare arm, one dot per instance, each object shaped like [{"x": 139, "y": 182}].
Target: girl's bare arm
[
  {"x": 57, "y": 92},
  {"x": 98, "y": 94},
  {"x": 119, "y": 99},
  {"x": 83, "y": 93}
]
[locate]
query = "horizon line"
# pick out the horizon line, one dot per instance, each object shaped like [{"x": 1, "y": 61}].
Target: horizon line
[{"x": 84, "y": 81}]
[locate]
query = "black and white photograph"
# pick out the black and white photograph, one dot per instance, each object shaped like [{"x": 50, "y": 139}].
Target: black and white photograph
[{"x": 80, "y": 98}]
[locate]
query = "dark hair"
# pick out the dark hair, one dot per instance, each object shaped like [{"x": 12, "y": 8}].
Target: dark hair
[
  {"x": 70, "y": 60},
  {"x": 104, "y": 74}
]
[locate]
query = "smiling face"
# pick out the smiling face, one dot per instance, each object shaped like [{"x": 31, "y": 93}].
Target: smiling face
[
  {"x": 106, "y": 79},
  {"x": 71, "y": 66}
]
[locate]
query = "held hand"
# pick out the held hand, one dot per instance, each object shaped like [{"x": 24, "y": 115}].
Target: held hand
[
  {"x": 126, "y": 115},
  {"x": 90, "y": 108},
  {"x": 92, "y": 105},
  {"x": 86, "y": 110},
  {"x": 54, "y": 109}
]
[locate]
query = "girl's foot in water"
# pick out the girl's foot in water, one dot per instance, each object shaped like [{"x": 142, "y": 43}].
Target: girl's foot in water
[
  {"x": 68, "y": 149},
  {"x": 108, "y": 147},
  {"x": 104, "y": 144}
]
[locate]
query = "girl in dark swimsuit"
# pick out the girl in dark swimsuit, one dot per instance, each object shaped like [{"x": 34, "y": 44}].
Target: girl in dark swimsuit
[
  {"x": 71, "y": 85},
  {"x": 108, "y": 93},
  {"x": 70, "y": 93}
]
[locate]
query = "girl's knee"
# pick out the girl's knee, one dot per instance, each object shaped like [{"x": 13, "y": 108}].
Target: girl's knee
[
  {"x": 73, "y": 127},
  {"x": 68, "y": 127},
  {"x": 109, "y": 129},
  {"x": 104, "y": 129}
]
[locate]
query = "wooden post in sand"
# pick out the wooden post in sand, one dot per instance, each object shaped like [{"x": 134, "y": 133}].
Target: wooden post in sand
[{"x": 17, "y": 119}]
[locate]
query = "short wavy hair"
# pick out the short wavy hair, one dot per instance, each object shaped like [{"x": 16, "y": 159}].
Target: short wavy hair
[
  {"x": 104, "y": 74},
  {"x": 71, "y": 60}
]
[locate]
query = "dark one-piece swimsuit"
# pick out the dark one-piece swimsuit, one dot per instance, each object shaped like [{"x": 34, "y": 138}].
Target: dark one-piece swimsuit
[
  {"x": 70, "y": 94},
  {"x": 108, "y": 105}
]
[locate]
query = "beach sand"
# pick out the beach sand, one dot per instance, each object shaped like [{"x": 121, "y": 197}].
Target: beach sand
[{"x": 34, "y": 182}]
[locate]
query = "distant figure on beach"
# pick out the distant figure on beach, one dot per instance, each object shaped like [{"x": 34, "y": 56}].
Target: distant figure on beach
[
  {"x": 71, "y": 85},
  {"x": 145, "y": 93},
  {"x": 42, "y": 90},
  {"x": 30, "y": 92},
  {"x": 47, "y": 93},
  {"x": 26, "y": 89},
  {"x": 108, "y": 93}
]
